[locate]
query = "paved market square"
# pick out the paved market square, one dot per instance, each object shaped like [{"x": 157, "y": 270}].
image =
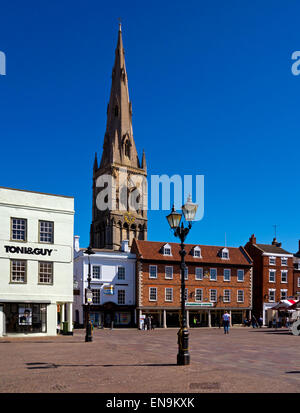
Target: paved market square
[{"x": 133, "y": 361}]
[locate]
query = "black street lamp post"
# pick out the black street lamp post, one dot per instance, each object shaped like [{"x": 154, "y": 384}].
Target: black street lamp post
[
  {"x": 88, "y": 334},
  {"x": 189, "y": 212}
]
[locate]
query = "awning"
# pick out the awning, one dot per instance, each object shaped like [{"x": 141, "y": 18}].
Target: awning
[{"x": 284, "y": 305}]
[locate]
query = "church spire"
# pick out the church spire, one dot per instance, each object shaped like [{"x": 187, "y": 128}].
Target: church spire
[{"x": 119, "y": 146}]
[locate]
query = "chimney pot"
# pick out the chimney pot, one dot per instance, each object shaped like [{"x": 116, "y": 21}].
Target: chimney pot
[
  {"x": 76, "y": 243},
  {"x": 125, "y": 246}
]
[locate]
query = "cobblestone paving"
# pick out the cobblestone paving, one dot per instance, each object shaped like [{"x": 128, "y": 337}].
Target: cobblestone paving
[{"x": 117, "y": 361}]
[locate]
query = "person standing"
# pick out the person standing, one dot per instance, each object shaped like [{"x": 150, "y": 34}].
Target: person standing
[
  {"x": 149, "y": 322},
  {"x": 226, "y": 322}
]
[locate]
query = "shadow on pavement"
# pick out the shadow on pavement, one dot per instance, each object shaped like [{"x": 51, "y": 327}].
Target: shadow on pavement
[
  {"x": 292, "y": 372},
  {"x": 31, "y": 366}
]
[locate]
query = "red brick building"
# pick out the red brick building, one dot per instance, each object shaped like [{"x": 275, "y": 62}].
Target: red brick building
[
  {"x": 217, "y": 278},
  {"x": 272, "y": 276},
  {"x": 296, "y": 277}
]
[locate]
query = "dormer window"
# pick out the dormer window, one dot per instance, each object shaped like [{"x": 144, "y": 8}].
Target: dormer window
[
  {"x": 225, "y": 254},
  {"x": 127, "y": 148},
  {"x": 197, "y": 252},
  {"x": 167, "y": 250}
]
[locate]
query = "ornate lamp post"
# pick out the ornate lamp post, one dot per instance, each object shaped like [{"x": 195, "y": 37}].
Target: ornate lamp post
[
  {"x": 89, "y": 298},
  {"x": 189, "y": 211}
]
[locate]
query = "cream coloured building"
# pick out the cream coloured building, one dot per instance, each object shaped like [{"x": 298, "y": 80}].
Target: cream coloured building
[{"x": 36, "y": 262}]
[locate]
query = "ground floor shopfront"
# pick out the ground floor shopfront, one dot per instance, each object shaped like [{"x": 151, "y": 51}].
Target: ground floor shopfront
[
  {"x": 196, "y": 317},
  {"x": 108, "y": 315},
  {"x": 35, "y": 318}
]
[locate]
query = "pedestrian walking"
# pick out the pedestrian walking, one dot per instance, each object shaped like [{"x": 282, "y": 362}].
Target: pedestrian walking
[
  {"x": 287, "y": 322},
  {"x": 226, "y": 322},
  {"x": 195, "y": 321},
  {"x": 254, "y": 321},
  {"x": 260, "y": 322},
  {"x": 152, "y": 323}
]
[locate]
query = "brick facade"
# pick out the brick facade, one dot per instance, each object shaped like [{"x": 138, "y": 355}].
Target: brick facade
[
  {"x": 151, "y": 254},
  {"x": 272, "y": 275}
]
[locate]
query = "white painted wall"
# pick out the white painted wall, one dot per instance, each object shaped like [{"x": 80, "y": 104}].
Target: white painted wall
[
  {"x": 34, "y": 207},
  {"x": 109, "y": 262}
]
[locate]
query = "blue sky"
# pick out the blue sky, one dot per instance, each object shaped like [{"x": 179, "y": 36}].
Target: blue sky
[{"x": 212, "y": 93}]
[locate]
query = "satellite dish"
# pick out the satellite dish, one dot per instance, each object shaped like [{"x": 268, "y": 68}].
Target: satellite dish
[{"x": 296, "y": 328}]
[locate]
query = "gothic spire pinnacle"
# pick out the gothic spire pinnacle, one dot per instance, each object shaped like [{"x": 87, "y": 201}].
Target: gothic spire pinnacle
[{"x": 119, "y": 146}]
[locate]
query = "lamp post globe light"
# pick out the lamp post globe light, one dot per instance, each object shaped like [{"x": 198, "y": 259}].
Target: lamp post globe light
[
  {"x": 174, "y": 218},
  {"x": 88, "y": 298}
]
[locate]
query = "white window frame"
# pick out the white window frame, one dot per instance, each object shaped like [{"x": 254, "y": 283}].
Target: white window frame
[
  {"x": 272, "y": 258},
  {"x": 210, "y": 274},
  {"x": 199, "y": 277},
  {"x": 286, "y": 272},
  {"x": 282, "y": 259},
  {"x": 153, "y": 266},
  {"x": 237, "y": 275},
  {"x": 225, "y": 251},
  {"x": 201, "y": 293},
  {"x": 272, "y": 271},
  {"x": 238, "y": 298},
  {"x": 226, "y": 269},
  {"x": 152, "y": 288},
  {"x": 169, "y": 277},
  {"x": 48, "y": 232},
  {"x": 100, "y": 273},
  {"x": 229, "y": 296},
  {"x": 166, "y": 248},
  {"x": 98, "y": 292},
  {"x": 286, "y": 294},
  {"x": 122, "y": 277},
  {"x": 272, "y": 290},
  {"x": 169, "y": 290},
  {"x": 210, "y": 295},
  {"x": 123, "y": 291},
  {"x": 298, "y": 282},
  {"x": 19, "y": 230},
  {"x": 198, "y": 249}
]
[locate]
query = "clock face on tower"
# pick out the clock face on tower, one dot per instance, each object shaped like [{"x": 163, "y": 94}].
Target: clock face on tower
[{"x": 129, "y": 218}]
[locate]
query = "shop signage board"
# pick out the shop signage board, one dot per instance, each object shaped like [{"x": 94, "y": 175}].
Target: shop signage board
[
  {"x": 108, "y": 289},
  {"x": 89, "y": 296},
  {"x": 35, "y": 251},
  {"x": 199, "y": 304}
]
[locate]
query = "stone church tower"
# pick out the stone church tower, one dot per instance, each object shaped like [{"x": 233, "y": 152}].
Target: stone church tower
[{"x": 119, "y": 182}]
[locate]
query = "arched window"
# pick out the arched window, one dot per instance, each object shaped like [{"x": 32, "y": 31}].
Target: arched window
[{"x": 127, "y": 148}]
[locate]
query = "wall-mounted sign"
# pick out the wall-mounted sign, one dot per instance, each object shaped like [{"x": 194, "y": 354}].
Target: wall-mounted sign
[
  {"x": 35, "y": 251},
  {"x": 27, "y": 250},
  {"x": 89, "y": 296},
  {"x": 108, "y": 289},
  {"x": 199, "y": 304}
]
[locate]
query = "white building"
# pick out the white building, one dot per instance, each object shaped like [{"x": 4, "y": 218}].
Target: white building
[
  {"x": 112, "y": 284},
  {"x": 36, "y": 262}
]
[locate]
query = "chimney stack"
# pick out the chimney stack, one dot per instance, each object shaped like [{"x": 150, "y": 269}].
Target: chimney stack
[
  {"x": 252, "y": 239},
  {"x": 125, "y": 246},
  {"x": 274, "y": 242},
  {"x": 76, "y": 243}
]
